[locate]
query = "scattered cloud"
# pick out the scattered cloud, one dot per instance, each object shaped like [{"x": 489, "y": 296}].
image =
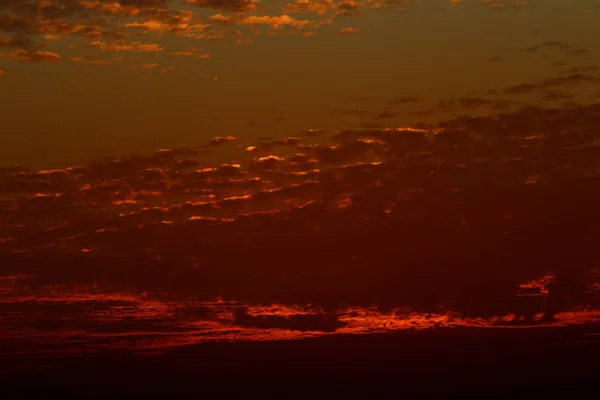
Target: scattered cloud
[
  {"x": 287, "y": 218},
  {"x": 144, "y": 26},
  {"x": 349, "y": 30},
  {"x": 182, "y": 53},
  {"x": 226, "y": 5},
  {"x": 134, "y": 47},
  {"x": 554, "y": 82},
  {"x": 352, "y": 203},
  {"x": 566, "y": 47},
  {"x": 221, "y": 139},
  {"x": 34, "y": 56},
  {"x": 311, "y": 133}
]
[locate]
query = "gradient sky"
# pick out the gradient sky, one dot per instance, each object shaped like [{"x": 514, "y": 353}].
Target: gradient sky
[
  {"x": 331, "y": 166},
  {"x": 83, "y": 80}
]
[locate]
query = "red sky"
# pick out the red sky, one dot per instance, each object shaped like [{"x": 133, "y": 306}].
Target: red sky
[{"x": 423, "y": 154}]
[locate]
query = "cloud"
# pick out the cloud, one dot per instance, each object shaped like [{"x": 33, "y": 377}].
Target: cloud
[
  {"x": 588, "y": 69},
  {"x": 106, "y": 25},
  {"x": 146, "y": 26},
  {"x": 566, "y": 47},
  {"x": 548, "y": 83},
  {"x": 149, "y": 66},
  {"x": 386, "y": 114},
  {"x": 182, "y": 53},
  {"x": 99, "y": 62},
  {"x": 17, "y": 42},
  {"x": 554, "y": 95},
  {"x": 221, "y": 139},
  {"x": 275, "y": 21},
  {"x": 349, "y": 30},
  {"x": 269, "y": 144},
  {"x": 34, "y": 56},
  {"x": 297, "y": 322},
  {"x": 457, "y": 212},
  {"x": 523, "y": 88},
  {"x": 400, "y": 217},
  {"x": 312, "y": 132},
  {"x": 342, "y": 8},
  {"x": 134, "y": 47},
  {"x": 569, "y": 79},
  {"x": 227, "y": 5},
  {"x": 474, "y": 102}
]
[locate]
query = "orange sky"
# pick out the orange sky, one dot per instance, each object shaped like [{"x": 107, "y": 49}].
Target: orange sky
[
  {"x": 82, "y": 79},
  {"x": 427, "y": 156}
]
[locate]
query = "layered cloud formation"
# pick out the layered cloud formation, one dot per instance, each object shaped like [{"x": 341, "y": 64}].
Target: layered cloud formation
[
  {"x": 460, "y": 213},
  {"x": 29, "y": 28},
  {"x": 475, "y": 217}
]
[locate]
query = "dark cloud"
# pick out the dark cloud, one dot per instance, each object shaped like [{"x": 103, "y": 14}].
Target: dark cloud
[
  {"x": 566, "y": 80},
  {"x": 226, "y": 5},
  {"x": 15, "y": 169},
  {"x": 523, "y": 88},
  {"x": 555, "y": 95},
  {"x": 566, "y": 47},
  {"x": 457, "y": 213},
  {"x": 468, "y": 215},
  {"x": 475, "y": 102},
  {"x": 387, "y": 114},
  {"x": 14, "y": 24},
  {"x": 15, "y": 43},
  {"x": 589, "y": 69}
]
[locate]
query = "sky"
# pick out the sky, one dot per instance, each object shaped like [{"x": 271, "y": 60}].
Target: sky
[
  {"x": 298, "y": 167},
  {"x": 82, "y": 80}
]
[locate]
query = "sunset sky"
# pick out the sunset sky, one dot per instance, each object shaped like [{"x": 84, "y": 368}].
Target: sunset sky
[
  {"x": 203, "y": 166},
  {"x": 84, "y": 79}
]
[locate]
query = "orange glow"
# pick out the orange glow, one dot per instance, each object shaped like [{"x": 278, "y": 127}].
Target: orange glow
[{"x": 253, "y": 170}]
